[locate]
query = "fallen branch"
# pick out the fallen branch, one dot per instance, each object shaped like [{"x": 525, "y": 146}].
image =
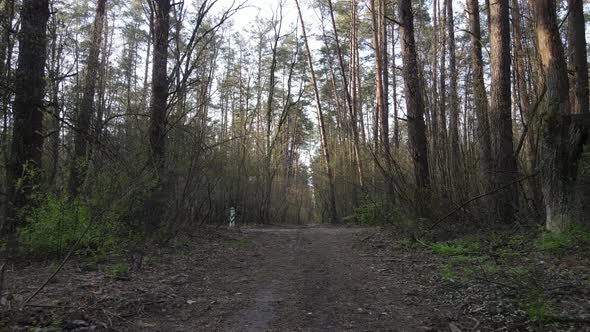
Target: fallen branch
[{"x": 478, "y": 197}]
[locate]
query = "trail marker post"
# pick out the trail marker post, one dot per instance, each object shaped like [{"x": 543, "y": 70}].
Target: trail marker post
[{"x": 232, "y": 217}]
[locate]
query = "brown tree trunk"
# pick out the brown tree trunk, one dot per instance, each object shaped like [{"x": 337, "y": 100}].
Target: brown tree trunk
[
  {"x": 500, "y": 115},
  {"x": 29, "y": 85},
  {"x": 435, "y": 106},
  {"x": 377, "y": 45},
  {"x": 154, "y": 205},
  {"x": 159, "y": 98},
  {"x": 486, "y": 164},
  {"x": 443, "y": 75},
  {"x": 453, "y": 93},
  {"x": 415, "y": 108},
  {"x": 578, "y": 61},
  {"x": 323, "y": 134},
  {"x": 81, "y": 156},
  {"x": 558, "y": 155},
  {"x": 396, "y": 139}
]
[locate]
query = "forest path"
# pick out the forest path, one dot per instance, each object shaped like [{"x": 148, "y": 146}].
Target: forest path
[
  {"x": 297, "y": 278},
  {"x": 314, "y": 279}
]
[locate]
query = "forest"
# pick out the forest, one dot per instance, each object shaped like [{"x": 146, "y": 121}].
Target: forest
[{"x": 436, "y": 148}]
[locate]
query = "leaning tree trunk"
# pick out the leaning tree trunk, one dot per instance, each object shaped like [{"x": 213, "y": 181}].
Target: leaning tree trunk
[
  {"x": 415, "y": 108},
  {"x": 83, "y": 133},
  {"x": 559, "y": 142},
  {"x": 23, "y": 171},
  {"x": 323, "y": 133},
  {"x": 500, "y": 115}
]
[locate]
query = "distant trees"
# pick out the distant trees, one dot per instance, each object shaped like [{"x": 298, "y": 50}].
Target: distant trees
[{"x": 86, "y": 111}]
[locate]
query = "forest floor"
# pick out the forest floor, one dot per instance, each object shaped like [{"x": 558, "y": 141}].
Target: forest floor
[{"x": 297, "y": 278}]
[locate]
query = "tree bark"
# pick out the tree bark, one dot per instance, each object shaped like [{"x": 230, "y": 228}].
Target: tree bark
[
  {"x": 323, "y": 134},
  {"x": 29, "y": 86},
  {"x": 154, "y": 205},
  {"x": 83, "y": 133},
  {"x": 578, "y": 56},
  {"x": 453, "y": 93},
  {"x": 486, "y": 164},
  {"x": 559, "y": 151},
  {"x": 500, "y": 115},
  {"x": 159, "y": 98},
  {"x": 415, "y": 108}
]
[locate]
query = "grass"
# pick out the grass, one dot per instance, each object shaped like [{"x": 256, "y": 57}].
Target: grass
[
  {"x": 119, "y": 271},
  {"x": 238, "y": 243},
  {"x": 537, "y": 308},
  {"x": 456, "y": 247},
  {"x": 562, "y": 241}
]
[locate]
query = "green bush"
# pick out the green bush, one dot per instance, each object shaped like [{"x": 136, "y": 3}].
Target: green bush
[
  {"x": 57, "y": 223},
  {"x": 119, "y": 271},
  {"x": 370, "y": 213}
]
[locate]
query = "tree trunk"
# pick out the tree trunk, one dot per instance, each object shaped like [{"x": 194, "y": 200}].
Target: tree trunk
[
  {"x": 558, "y": 155},
  {"x": 415, "y": 108},
  {"x": 486, "y": 164},
  {"x": 159, "y": 98},
  {"x": 453, "y": 93},
  {"x": 500, "y": 115},
  {"x": 577, "y": 56},
  {"x": 323, "y": 134},
  {"x": 81, "y": 156},
  {"x": 29, "y": 85},
  {"x": 396, "y": 139},
  {"x": 443, "y": 75},
  {"x": 154, "y": 205}
]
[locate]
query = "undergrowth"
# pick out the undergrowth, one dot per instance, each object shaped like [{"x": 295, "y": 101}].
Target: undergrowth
[
  {"x": 522, "y": 265},
  {"x": 58, "y": 223}
]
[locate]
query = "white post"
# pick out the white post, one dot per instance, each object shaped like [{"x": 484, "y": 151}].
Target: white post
[{"x": 232, "y": 217}]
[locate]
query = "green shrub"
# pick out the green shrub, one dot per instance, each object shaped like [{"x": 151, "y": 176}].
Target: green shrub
[
  {"x": 57, "y": 223},
  {"x": 119, "y": 271},
  {"x": 370, "y": 213}
]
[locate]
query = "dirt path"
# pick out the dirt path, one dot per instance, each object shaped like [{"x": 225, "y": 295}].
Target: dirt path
[
  {"x": 258, "y": 279},
  {"x": 312, "y": 279}
]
